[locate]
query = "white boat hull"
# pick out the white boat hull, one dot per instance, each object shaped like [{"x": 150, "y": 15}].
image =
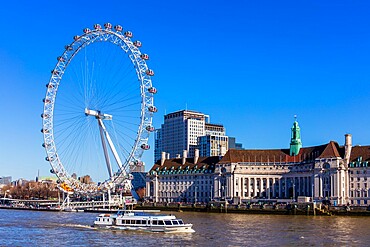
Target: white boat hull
[{"x": 148, "y": 223}]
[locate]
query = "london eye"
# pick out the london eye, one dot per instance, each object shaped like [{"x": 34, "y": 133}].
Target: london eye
[{"x": 98, "y": 110}]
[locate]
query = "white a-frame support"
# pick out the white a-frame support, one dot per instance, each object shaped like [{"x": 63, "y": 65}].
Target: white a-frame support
[{"x": 104, "y": 133}]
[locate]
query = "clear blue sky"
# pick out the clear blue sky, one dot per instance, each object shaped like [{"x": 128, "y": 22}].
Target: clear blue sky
[{"x": 250, "y": 65}]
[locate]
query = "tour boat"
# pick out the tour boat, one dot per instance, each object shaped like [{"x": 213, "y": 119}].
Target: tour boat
[{"x": 128, "y": 220}]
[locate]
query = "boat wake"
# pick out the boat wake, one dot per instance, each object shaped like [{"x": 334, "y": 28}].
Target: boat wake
[{"x": 79, "y": 226}]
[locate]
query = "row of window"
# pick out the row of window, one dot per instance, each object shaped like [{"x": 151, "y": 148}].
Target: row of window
[
  {"x": 358, "y": 179},
  {"x": 154, "y": 222},
  {"x": 188, "y": 182},
  {"x": 182, "y": 188},
  {"x": 359, "y": 193},
  {"x": 188, "y": 194},
  {"x": 358, "y": 172}
]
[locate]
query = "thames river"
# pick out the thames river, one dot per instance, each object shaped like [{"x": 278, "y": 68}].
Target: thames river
[{"x": 39, "y": 228}]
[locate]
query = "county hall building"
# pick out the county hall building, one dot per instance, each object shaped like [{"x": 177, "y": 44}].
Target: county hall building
[{"x": 331, "y": 172}]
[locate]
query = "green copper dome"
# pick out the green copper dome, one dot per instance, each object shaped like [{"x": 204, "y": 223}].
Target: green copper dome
[{"x": 295, "y": 141}]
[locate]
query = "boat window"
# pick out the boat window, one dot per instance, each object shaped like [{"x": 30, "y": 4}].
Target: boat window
[
  {"x": 138, "y": 222},
  {"x": 168, "y": 222},
  {"x": 160, "y": 222},
  {"x": 175, "y": 222},
  {"x": 181, "y": 222},
  {"x": 132, "y": 222},
  {"x": 155, "y": 222}
]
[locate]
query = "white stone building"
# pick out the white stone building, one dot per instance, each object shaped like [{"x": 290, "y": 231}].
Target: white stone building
[
  {"x": 328, "y": 173},
  {"x": 182, "y": 179}
]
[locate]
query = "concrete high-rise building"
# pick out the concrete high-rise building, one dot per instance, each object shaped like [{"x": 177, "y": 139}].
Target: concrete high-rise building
[
  {"x": 212, "y": 145},
  {"x": 215, "y": 142},
  {"x": 157, "y": 144},
  {"x": 182, "y": 130},
  {"x": 235, "y": 145}
]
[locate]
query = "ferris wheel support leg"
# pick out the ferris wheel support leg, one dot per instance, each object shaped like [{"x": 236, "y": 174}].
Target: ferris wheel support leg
[
  {"x": 107, "y": 160},
  {"x": 114, "y": 151}
]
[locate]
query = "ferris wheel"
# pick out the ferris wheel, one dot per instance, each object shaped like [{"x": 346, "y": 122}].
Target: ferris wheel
[{"x": 97, "y": 129}]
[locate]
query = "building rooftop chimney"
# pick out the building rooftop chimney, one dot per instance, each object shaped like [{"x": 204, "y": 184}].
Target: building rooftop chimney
[
  {"x": 184, "y": 156},
  {"x": 163, "y": 158},
  {"x": 348, "y": 146},
  {"x": 196, "y": 156}
]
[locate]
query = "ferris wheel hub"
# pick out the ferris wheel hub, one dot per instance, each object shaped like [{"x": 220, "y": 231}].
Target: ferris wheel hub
[{"x": 98, "y": 114}]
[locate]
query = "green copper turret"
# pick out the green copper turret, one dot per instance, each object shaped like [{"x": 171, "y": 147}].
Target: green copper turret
[{"x": 295, "y": 141}]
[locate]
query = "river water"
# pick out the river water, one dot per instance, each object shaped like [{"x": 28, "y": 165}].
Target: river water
[{"x": 38, "y": 228}]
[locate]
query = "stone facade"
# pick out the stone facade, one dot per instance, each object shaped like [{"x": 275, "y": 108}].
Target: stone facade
[
  {"x": 182, "y": 179},
  {"x": 327, "y": 173}
]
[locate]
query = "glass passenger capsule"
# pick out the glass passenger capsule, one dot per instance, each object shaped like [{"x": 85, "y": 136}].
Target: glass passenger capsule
[
  {"x": 152, "y": 108},
  {"x": 118, "y": 28},
  {"x": 97, "y": 27},
  {"x": 128, "y": 34},
  {"x": 149, "y": 128},
  {"x": 61, "y": 59},
  {"x": 68, "y": 47},
  {"x": 55, "y": 72},
  {"x": 152, "y": 90},
  {"x": 137, "y": 43},
  {"x": 144, "y": 56},
  {"x": 43, "y": 115},
  {"x": 47, "y": 101},
  {"x": 150, "y": 72},
  {"x": 108, "y": 25},
  {"x": 145, "y": 146}
]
